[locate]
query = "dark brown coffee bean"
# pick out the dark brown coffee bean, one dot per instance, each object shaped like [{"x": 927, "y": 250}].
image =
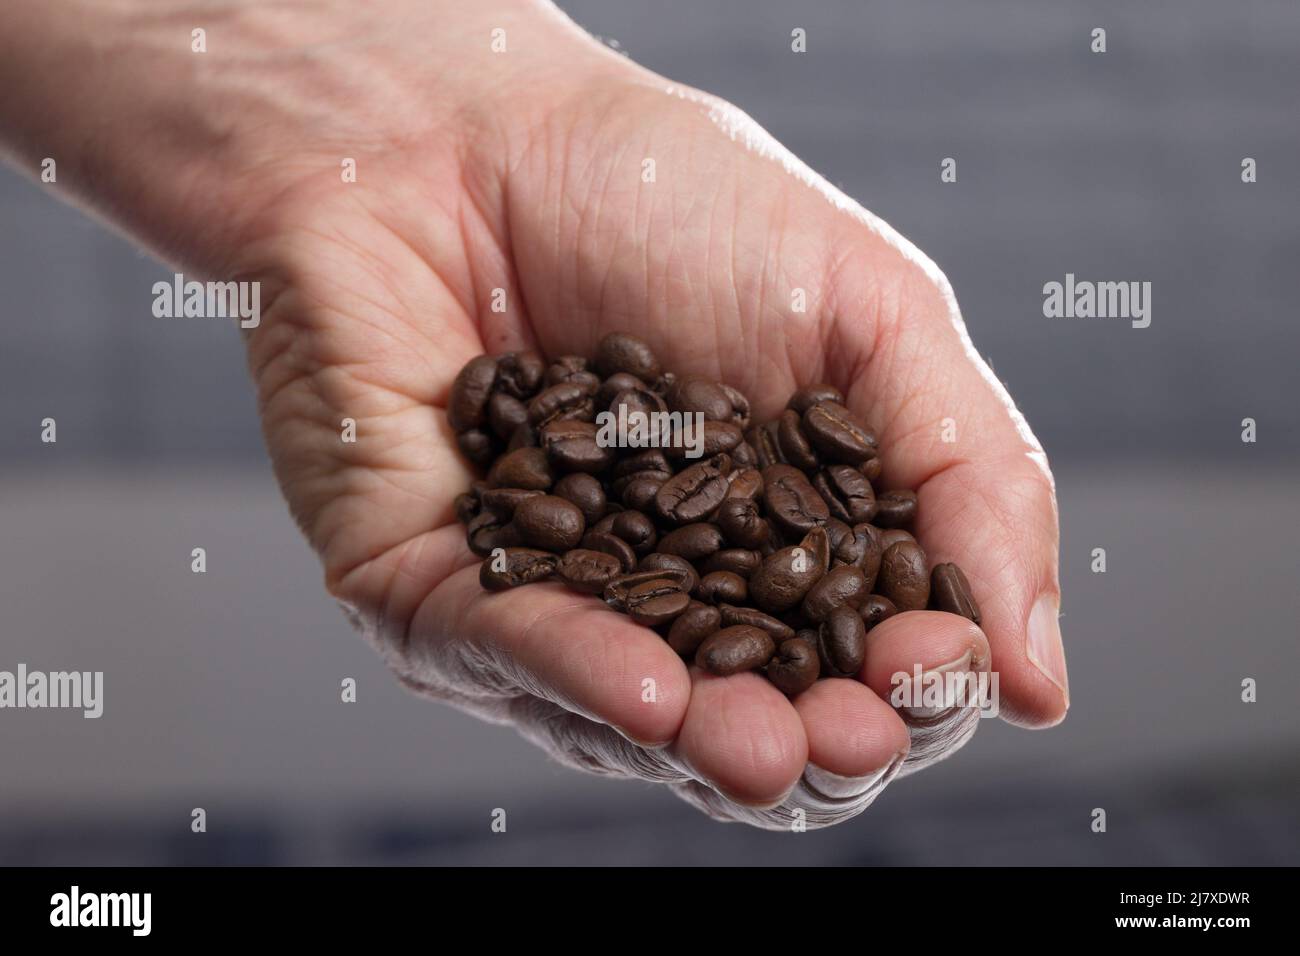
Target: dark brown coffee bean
[
  {"x": 794, "y": 446},
  {"x": 511, "y": 567},
  {"x": 549, "y": 522},
  {"x": 847, "y": 493},
  {"x": 723, "y": 587},
  {"x": 690, "y": 395},
  {"x": 657, "y": 561},
  {"x": 638, "y": 403},
  {"x": 842, "y": 643},
  {"x": 741, "y": 522},
  {"x": 693, "y": 493},
  {"x": 715, "y": 438},
  {"x": 743, "y": 455},
  {"x": 871, "y": 469},
  {"x": 567, "y": 400},
  {"x": 877, "y": 608},
  {"x": 569, "y": 368},
  {"x": 655, "y": 602},
  {"x": 872, "y": 550},
  {"x": 584, "y": 491},
  {"x": 649, "y": 462},
  {"x": 639, "y": 493},
  {"x": 950, "y": 591},
  {"x": 573, "y": 446},
  {"x": 810, "y": 395},
  {"x": 895, "y": 509},
  {"x": 744, "y": 482},
  {"x": 620, "y": 352},
  {"x": 792, "y": 504},
  {"x": 735, "y": 649},
  {"x": 618, "y": 382},
  {"x": 522, "y": 468},
  {"x": 892, "y": 536},
  {"x": 608, "y": 543},
  {"x": 795, "y": 667},
  {"x": 606, "y": 524},
  {"x": 519, "y": 374},
  {"x": 467, "y": 406},
  {"x": 692, "y": 542},
  {"x": 777, "y": 630},
  {"x": 618, "y": 592},
  {"x": 739, "y": 405},
  {"x": 785, "y": 577},
  {"x": 525, "y": 436},
  {"x": 502, "y": 502},
  {"x": 505, "y": 413},
  {"x": 903, "y": 577},
  {"x": 476, "y": 445},
  {"x": 467, "y": 506},
  {"x": 637, "y": 530},
  {"x": 692, "y": 626},
  {"x": 663, "y": 383},
  {"x": 840, "y": 587},
  {"x": 837, "y": 434},
  {"x": 486, "y": 532},
  {"x": 588, "y": 571},
  {"x": 742, "y": 561}
]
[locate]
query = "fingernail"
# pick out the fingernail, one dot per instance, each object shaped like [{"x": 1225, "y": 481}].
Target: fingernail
[
  {"x": 831, "y": 786},
  {"x": 932, "y": 677},
  {"x": 1045, "y": 648}
]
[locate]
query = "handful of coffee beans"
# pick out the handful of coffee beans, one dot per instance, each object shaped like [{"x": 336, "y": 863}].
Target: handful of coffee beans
[{"x": 747, "y": 546}]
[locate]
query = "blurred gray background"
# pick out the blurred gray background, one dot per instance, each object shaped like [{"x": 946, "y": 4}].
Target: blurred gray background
[{"x": 223, "y": 689}]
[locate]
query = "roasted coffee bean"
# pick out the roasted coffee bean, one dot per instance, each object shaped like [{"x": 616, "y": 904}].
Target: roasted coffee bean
[
  {"x": 895, "y": 508},
  {"x": 519, "y": 374},
  {"x": 792, "y": 504},
  {"x": 606, "y": 524},
  {"x": 663, "y": 383},
  {"x": 649, "y": 462},
  {"x": 877, "y": 608},
  {"x": 903, "y": 577},
  {"x": 486, "y": 532},
  {"x": 837, "y": 434},
  {"x": 654, "y": 602},
  {"x": 567, "y": 400},
  {"x": 873, "y": 549},
  {"x": 743, "y": 455},
  {"x": 618, "y": 382},
  {"x": 847, "y": 493},
  {"x": 715, "y": 438},
  {"x": 618, "y": 591},
  {"x": 522, "y": 468},
  {"x": 692, "y": 542},
  {"x": 467, "y": 406},
  {"x": 735, "y": 649},
  {"x": 588, "y": 571},
  {"x": 634, "y": 403},
  {"x": 639, "y": 493},
  {"x": 692, "y": 626},
  {"x": 739, "y": 405},
  {"x": 502, "y": 502},
  {"x": 795, "y": 667},
  {"x": 742, "y": 561},
  {"x": 794, "y": 446},
  {"x": 840, "y": 587},
  {"x": 505, "y": 413},
  {"x": 842, "y": 643},
  {"x": 476, "y": 445},
  {"x": 691, "y": 395},
  {"x": 608, "y": 543},
  {"x": 871, "y": 469},
  {"x": 467, "y": 506},
  {"x": 892, "y": 536},
  {"x": 810, "y": 395},
  {"x": 573, "y": 446},
  {"x": 657, "y": 561},
  {"x": 637, "y": 530},
  {"x": 586, "y": 492},
  {"x": 777, "y": 630},
  {"x": 571, "y": 368},
  {"x": 693, "y": 493},
  {"x": 511, "y": 567},
  {"x": 620, "y": 352},
  {"x": 525, "y": 436},
  {"x": 785, "y": 577},
  {"x": 950, "y": 591},
  {"x": 741, "y": 522},
  {"x": 744, "y": 481},
  {"x": 723, "y": 586},
  {"x": 549, "y": 522},
  {"x": 762, "y": 438}
]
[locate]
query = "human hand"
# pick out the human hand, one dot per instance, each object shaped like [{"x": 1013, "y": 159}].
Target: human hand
[{"x": 523, "y": 171}]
